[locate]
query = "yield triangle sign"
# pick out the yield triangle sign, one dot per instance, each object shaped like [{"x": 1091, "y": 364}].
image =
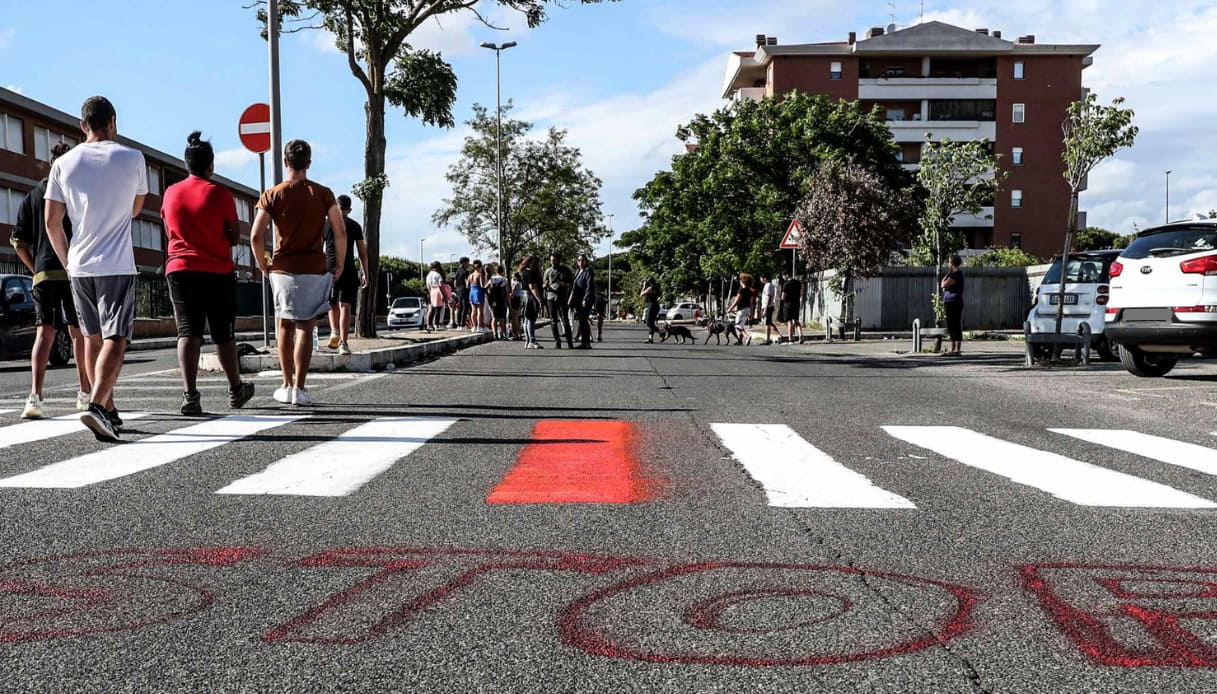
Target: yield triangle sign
[{"x": 794, "y": 235}]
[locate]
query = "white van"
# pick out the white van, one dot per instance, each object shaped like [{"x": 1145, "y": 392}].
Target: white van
[{"x": 1087, "y": 291}]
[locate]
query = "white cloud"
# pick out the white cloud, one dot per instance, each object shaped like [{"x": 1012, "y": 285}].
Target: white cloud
[
  {"x": 722, "y": 23},
  {"x": 238, "y": 158}
]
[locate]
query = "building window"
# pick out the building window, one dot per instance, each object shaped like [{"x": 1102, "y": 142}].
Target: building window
[
  {"x": 154, "y": 181},
  {"x": 10, "y": 200},
  {"x": 1016, "y": 240},
  {"x": 1016, "y": 156},
  {"x": 145, "y": 234},
  {"x": 1020, "y": 113},
  {"x": 12, "y": 133},
  {"x": 245, "y": 211},
  {"x": 242, "y": 255},
  {"x": 834, "y": 70},
  {"x": 46, "y": 139},
  {"x": 963, "y": 109},
  {"x": 1016, "y": 198},
  {"x": 1018, "y": 70}
]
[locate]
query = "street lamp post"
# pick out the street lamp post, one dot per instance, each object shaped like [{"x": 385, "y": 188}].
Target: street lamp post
[
  {"x": 608, "y": 306},
  {"x": 498, "y": 149},
  {"x": 1168, "y": 197}
]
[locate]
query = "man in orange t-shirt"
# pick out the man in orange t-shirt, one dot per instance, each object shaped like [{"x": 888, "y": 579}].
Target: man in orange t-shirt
[{"x": 297, "y": 272}]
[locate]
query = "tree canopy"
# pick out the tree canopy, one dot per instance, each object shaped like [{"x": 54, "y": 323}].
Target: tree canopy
[
  {"x": 551, "y": 201},
  {"x": 725, "y": 202},
  {"x": 959, "y": 178},
  {"x": 1096, "y": 239}
]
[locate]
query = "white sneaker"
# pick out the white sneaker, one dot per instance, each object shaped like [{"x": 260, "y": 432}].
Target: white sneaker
[
  {"x": 343, "y": 348},
  {"x": 82, "y": 401},
  {"x": 33, "y": 407},
  {"x": 301, "y": 398},
  {"x": 283, "y": 394}
]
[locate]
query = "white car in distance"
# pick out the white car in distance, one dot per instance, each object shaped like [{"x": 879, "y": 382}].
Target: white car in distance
[{"x": 406, "y": 312}]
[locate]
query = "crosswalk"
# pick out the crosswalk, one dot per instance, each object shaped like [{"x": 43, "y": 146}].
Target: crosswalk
[{"x": 603, "y": 462}]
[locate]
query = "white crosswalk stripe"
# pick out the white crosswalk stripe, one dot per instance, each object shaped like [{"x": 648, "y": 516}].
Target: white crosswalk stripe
[
  {"x": 129, "y": 458},
  {"x": 1165, "y": 450},
  {"x": 343, "y": 465},
  {"x": 42, "y": 429},
  {"x": 1062, "y": 477},
  {"x": 795, "y": 474}
]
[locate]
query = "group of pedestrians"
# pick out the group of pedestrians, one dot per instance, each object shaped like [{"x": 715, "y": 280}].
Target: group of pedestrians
[
  {"x": 73, "y": 233},
  {"x": 774, "y": 300},
  {"x": 480, "y": 298}
]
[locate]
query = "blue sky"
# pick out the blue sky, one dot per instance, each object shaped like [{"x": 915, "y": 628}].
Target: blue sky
[{"x": 620, "y": 76}]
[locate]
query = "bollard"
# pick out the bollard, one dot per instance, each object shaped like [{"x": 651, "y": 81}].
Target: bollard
[
  {"x": 1084, "y": 331},
  {"x": 1030, "y": 354},
  {"x": 828, "y": 329},
  {"x": 916, "y": 336},
  {"x": 858, "y": 329}
]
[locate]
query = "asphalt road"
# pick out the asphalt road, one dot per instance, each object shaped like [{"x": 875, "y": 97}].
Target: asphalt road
[{"x": 503, "y": 520}]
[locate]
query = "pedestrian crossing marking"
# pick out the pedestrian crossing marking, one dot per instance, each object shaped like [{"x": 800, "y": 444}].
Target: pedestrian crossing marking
[
  {"x": 343, "y": 465},
  {"x": 796, "y": 474},
  {"x": 41, "y": 429},
  {"x": 1062, "y": 477},
  {"x": 577, "y": 462},
  {"x": 129, "y": 458},
  {"x": 1165, "y": 450}
]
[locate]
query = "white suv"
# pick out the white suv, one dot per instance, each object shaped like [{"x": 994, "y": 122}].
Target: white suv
[{"x": 1164, "y": 297}]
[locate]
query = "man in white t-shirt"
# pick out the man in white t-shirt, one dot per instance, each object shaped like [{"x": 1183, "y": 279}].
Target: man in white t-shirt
[
  {"x": 101, "y": 186},
  {"x": 769, "y": 303}
]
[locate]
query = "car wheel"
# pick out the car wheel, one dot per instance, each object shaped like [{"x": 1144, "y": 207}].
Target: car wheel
[
  {"x": 1145, "y": 365},
  {"x": 1041, "y": 353},
  {"x": 1107, "y": 350},
  {"x": 61, "y": 350},
  {"x": 678, "y": 317}
]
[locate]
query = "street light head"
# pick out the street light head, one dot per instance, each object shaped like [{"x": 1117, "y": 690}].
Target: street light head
[
  {"x": 490, "y": 45},
  {"x": 510, "y": 44}
]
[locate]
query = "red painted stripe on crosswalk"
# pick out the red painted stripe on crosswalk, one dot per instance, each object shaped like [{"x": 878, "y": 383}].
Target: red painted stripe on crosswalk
[{"x": 573, "y": 462}]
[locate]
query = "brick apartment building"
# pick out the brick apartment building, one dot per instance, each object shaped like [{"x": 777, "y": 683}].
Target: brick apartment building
[
  {"x": 28, "y": 131},
  {"x": 953, "y": 83}
]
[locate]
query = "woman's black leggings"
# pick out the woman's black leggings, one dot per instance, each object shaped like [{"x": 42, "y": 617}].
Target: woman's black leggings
[
  {"x": 651, "y": 316},
  {"x": 955, "y": 320}
]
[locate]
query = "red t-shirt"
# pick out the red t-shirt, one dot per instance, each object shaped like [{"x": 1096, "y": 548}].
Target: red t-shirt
[{"x": 194, "y": 211}]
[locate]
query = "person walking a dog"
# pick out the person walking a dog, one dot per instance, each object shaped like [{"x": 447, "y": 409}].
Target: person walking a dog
[
  {"x": 742, "y": 305},
  {"x": 650, "y": 295}
]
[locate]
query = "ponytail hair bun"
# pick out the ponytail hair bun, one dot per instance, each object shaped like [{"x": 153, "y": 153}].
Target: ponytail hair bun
[{"x": 199, "y": 155}]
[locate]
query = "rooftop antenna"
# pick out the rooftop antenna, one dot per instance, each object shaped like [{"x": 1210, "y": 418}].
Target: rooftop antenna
[
  {"x": 891, "y": 11},
  {"x": 921, "y": 20}
]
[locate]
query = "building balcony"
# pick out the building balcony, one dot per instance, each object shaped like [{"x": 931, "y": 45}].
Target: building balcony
[
  {"x": 974, "y": 220},
  {"x": 909, "y": 88},
  {"x": 754, "y": 93},
  {"x": 957, "y": 130}
]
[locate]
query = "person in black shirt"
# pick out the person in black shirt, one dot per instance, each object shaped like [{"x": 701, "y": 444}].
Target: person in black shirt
[
  {"x": 788, "y": 304},
  {"x": 530, "y": 278},
  {"x": 52, "y": 293},
  {"x": 461, "y": 281},
  {"x": 346, "y": 289},
  {"x": 556, "y": 284},
  {"x": 583, "y": 299},
  {"x": 742, "y": 305},
  {"x": 952, "y": 301},
  {"x": 650, "y": 293}
]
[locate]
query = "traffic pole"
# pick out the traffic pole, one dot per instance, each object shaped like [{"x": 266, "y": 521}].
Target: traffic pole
[
  {"x": 276, "y": 116},
  {"x": 262, "y": 189}
]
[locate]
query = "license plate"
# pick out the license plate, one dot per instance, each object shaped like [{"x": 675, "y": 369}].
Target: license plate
[{"x": 1070, "y": 299}]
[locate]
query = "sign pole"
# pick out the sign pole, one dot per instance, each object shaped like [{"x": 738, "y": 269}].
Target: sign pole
[{"x": 262, "y": 188}]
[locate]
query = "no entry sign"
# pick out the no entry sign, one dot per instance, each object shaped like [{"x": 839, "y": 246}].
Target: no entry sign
[{"x": 254, "y": 128}]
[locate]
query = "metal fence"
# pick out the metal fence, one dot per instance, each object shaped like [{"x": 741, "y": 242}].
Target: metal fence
[{"x": 995, "y": 298}]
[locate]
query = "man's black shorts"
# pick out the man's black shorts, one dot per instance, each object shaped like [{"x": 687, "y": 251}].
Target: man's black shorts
[
  {"x": 769, "y": 311},
  {"x": 53, "y": 303},
  {"x": 344, "y": 292},
  {"x": 200, "y": 298}
]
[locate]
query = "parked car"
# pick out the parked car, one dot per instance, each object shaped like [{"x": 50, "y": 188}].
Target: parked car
[
  {"x": 684, "y": 311},
  {"x": 407, "y": 312},
  {"x": 1164, "y": 297},
  {"x": 1087, "y": 292},
  {"x": 18, "y": 324}
]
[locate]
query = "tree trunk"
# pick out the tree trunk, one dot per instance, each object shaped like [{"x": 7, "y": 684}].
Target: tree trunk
[
  {"x": 373, "y": 167},
  {"x": 1060, "y": 300}
]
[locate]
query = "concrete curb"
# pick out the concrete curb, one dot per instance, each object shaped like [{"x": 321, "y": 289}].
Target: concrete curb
[{"x": 373, "y": 360}]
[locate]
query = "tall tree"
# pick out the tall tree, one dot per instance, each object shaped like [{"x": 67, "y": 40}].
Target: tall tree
[
  {"x": 551, "y": 201},
  {"x": 723, "y": 205},
  {"x": 374, "y": 35},
  {"x": 959, "y": 178},
  {"x": 1093, "y": 132},
  {"x": 854, "y": 221}
]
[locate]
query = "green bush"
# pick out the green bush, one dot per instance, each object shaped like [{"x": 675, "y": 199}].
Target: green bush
[{"x": 1004, "y": 257}]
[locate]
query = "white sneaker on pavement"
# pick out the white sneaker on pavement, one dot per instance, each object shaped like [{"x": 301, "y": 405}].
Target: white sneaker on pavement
[
  {"x": 343, "y": 348},
  {"x": 301, "y": 398},
  {"x": 82, "y": 401},
  {"x": 33, "y": 407},
  {"x": 283, "y": 394}
]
